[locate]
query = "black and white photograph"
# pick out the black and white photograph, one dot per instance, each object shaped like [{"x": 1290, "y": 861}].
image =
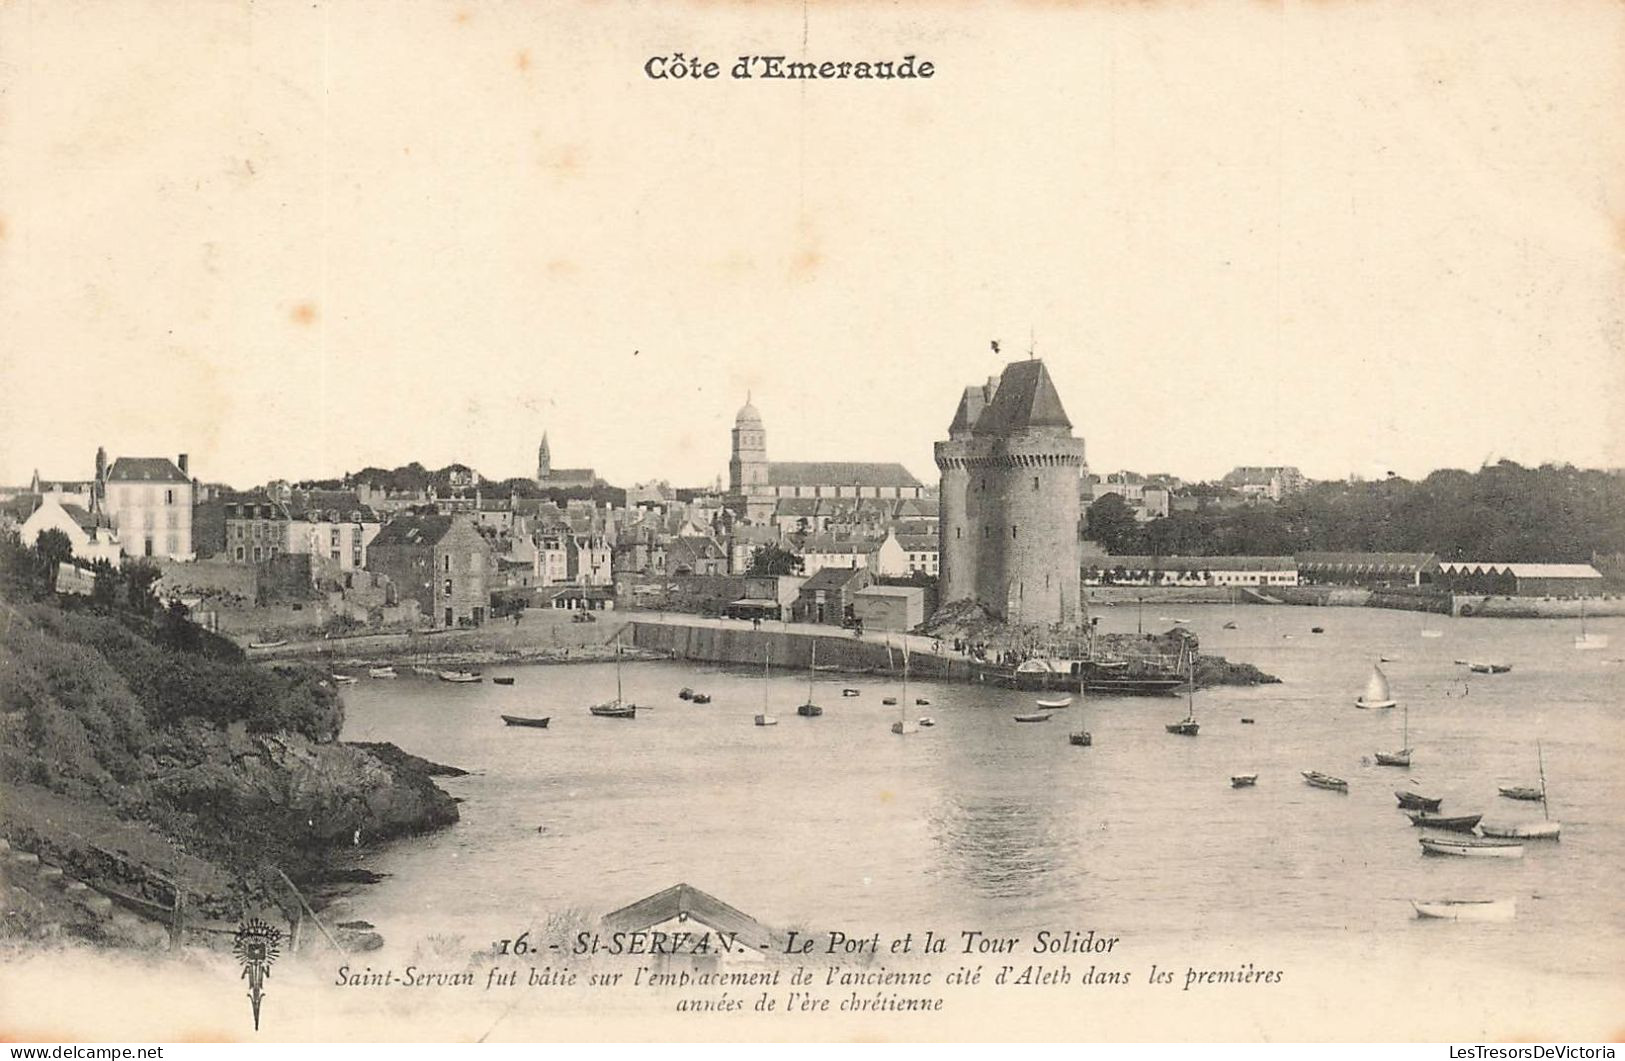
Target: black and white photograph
[{"x": 812, "y": 522}]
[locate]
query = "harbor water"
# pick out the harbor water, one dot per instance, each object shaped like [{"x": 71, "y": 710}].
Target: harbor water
[{"x": 986, "y": 823}]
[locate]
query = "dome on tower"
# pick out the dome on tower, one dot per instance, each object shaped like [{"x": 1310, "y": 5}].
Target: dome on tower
[{"x": 748, "y": 416}]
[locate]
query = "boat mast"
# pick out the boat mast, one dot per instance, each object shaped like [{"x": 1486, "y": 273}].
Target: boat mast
[
  {"x": 1541, "y": 754},
  {"x": 902, "y": 701},
  {"x": 618, "y": 695},
  {"x": 767, "y": 661},
  {"x": 812, "y": 670}
]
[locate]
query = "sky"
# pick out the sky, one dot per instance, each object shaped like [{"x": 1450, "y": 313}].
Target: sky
[{"x": 296, "y": 239}]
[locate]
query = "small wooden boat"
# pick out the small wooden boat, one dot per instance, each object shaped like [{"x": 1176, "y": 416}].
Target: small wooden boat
[
  {"x": 809, "y": 711},
  {"x": 1185, "y": 727},
  {"x": 458, "y": 677},
  {"x": 685, "y": 693},
  {"x": 849, "y": 692},
  {"x": 1033, "y": 718},
  {"x": 1469, "y": 847},
  {"x": 1456, "y": 823},
  {"x": 501, "y": 681},
  {"x": 890, "y": 701},
  {"x": 1243, "y": 780},
  {"x": 266, "y": 644},
  {"x": 1376, "y": 692},
  {"x": 1403, "y": 756},
  {"x": 926, "y": 722},
  {"x": 1526, "y": 792},
  {"x": 1230, "y": 626},
  {"x": 1489, "y": 668},
  {"x": 1055, "y": 704},
  {"x": 381, "y": 672},
  {"x": 766, "y": 720},
  {"x": 1416, "y": 801},
  {"x": 345, "y": 679},
  {"x": 427, "y": 672},
  {"x": 520, "y": 720},
  {"x": 1327, "y": 781},
  {"x": 702, "y": 698},
  {"x": 1317, "y": 629},
  {"x": 1466, "y": 909},
  {"x": 1543, "y": 830},
  {"x": 614, "y": 709},
  {"x": 920, "y": 701},
  {"x": 1247, "y": 722},
  {"x": 1081, "y": 738}
]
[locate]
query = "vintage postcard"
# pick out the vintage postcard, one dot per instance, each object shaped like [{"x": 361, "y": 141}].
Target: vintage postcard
[{"x": 811, "y": 521}]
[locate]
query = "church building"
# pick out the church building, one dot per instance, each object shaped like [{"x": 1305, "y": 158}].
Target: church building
[
  {"x": 560, "y": 478},
  {"x": 757, "y": 485}
]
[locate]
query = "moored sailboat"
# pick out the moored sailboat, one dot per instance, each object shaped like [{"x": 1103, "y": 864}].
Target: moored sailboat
[
  {"x": 904, "y": 725},
  {"x": 1545, "y": 829},
  {"x": 1403, "y": 756},
  {"x": 810, "y": 709},
  {"x": 1187, "y": 726},
  {"x": 618, "y": 707},
  {"x": 765, "y": 719}
]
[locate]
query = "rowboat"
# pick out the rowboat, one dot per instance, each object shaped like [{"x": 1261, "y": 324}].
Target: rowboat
[
  {"x": 381, "y": 672},
  {"x": 1032, "y": 718},
  {"x": 614, "y": 709},
  {"x": 459, "y": 677},
  {"x": 520, "y": 720},
  {"x": 1470, "y": 847},
  {"x": 1416, "y": 801},
  {"x": 849, "y": 692},
  {"x": 345, "y": 679},
  {"x": 702, "y": 698},
  {"x": 890, "y": 701},
  {"x": 1246, "y": 722},
  {"x": 1317, "y": 629},
  {"x": 766, "y": 720},
  {"x": 1056, "y": 704},
  {"x": 1489, "y": 668},
  {"x": 1081, "y": 738},
  {"x": 1320, "y": 780},
  {"x": 685, "y": 693},
  {"x": 1543, "y": 830},
  {"x": 1376, "y": 692},
  {"x": 926, "y": 722},
  {"x": 1243, "y": 780},
  {"x": 1456, "y": 823},
  {"x": 1466, "y": 909},
  {"x": 427, "y": 672},
  {"x": 920, "y": 701},
  {"x": 1527, "y": 792},
  {"x": 266, "y": 644},
  {"x": 809, "y": 710},
  {"x": 501, "y": 681}
]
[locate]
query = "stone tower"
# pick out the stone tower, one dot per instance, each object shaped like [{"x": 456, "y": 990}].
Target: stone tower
[
  {"x": 1009, "y": 500},
  {"x": 544, "y": 461},
  {"x": 747, "y": 464}
]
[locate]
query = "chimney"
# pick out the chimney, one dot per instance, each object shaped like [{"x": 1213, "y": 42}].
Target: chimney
[{"x": 183, "y": 462}]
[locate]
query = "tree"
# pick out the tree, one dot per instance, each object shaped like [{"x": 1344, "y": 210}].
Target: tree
[
  {"x": 54, "y": 549},
  {"x": 105, "y": 590},
  {"x": 774, "y": 560},
  {"x": 1111, "y": 523},
  {"x": 140, "y": 575}
]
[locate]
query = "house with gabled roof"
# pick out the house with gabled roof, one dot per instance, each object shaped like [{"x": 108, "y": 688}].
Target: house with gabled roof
[{"x": 442, "y": 562}]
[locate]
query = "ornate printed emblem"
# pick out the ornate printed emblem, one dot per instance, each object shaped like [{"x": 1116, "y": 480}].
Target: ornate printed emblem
[{"x": 256, "y": 946}]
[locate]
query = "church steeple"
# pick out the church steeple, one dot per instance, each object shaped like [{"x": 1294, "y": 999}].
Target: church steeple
[{"x": 544, "y": 461}]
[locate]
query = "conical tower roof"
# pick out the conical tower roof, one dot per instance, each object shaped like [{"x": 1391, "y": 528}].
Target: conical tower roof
[{"x": 1026, "y": 398}]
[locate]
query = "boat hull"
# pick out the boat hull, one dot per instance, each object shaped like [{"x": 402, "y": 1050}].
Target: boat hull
[
  {"x": 1082, "y": 740},
  {"x": 1523, "y": 830},
  {"x": 608, "y": 711},
  {"x": 1466, "y": 909},
  {"x": 1394, "y": 758},
  {"x": 1456, "y": 823},
  {"x": 1031, "y": 718},
  {"x": 1055, "y": 705},
  {"x": 533, "y": 723},
  {"x": 1469, "y": 848},
  {"x": 1363, "y": 702},
  {"x": 809, "y": 711},
  {"x": 1187, "y": 728},
  {"x": 1319, "y": 780},
  {"x": 1243, "y": 780},
  {"x": 766, "y": 720},
  {"x": 1412, "y": 801},
  {"x": 1521, "y": 792}
]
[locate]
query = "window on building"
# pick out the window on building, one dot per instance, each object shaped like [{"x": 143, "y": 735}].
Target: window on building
[
  {"x": 957, "y": 533},
  {"x": 448, "y": 587},
  {"x": 169, "y": 497},
  {"x": 239, "y": 551},
  {"x": 447, "y": 567},
  {"x": 1012, "y": 530}
]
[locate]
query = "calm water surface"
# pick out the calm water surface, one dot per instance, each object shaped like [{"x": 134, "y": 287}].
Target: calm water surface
[{"x": 984, "y": 822}]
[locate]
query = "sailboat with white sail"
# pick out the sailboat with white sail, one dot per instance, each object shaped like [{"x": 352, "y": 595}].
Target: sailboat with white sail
[{"x": 1377, "y": 693}]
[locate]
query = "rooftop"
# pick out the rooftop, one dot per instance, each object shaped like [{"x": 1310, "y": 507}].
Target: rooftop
[
  {"x": 1026, "y": 399},
  {"x": 145, "y": 469},
  {"x": 839, "y": 473}
]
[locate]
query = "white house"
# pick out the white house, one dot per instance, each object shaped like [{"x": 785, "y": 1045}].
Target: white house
[
  {"x": 821, "y": 551},
  {"x": 92, "y": 538},
  {"x": 149, "y": 500},
  {"x": 890, "y": 559}
]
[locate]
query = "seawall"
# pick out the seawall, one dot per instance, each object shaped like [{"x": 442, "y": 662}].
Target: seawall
[{"x": 792, "y": 650}]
